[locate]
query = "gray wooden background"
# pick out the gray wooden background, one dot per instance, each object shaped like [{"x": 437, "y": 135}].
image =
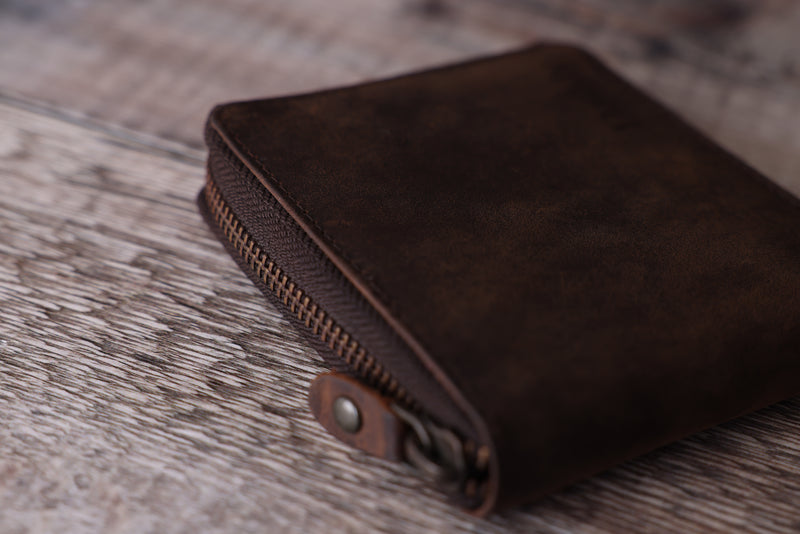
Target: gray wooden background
[{"x": 146, "y": 386}]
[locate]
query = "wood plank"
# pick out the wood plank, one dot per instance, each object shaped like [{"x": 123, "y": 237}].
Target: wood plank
[
  {"x": 730, "y": 67},
  {"x": 145, "y": 384}
]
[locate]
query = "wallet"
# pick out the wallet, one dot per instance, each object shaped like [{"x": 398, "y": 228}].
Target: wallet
[{"x": 521, "y": 269}]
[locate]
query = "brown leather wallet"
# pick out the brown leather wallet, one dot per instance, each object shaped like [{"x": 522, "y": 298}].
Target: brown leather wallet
[{"x": 521, "y": 269}]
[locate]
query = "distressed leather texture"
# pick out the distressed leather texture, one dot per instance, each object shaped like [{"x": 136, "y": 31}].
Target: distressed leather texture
[{"x": 591, "y": 277}]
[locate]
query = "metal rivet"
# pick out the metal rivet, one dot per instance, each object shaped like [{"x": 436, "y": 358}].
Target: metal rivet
[{"x": 346, "y": 414}]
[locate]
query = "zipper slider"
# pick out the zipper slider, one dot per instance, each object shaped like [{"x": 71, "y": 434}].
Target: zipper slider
[
  {"x": 435, "y": 451},
  {"x": 366, "y": 420}
]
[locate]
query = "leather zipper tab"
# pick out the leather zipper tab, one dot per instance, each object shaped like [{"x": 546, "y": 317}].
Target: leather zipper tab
[
  {"x": 357, "y": 415},
  {"x": 363, "y": 418}
]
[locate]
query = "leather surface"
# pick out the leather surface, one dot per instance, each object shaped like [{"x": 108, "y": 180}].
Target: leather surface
[{"x": 594, "y": 276}]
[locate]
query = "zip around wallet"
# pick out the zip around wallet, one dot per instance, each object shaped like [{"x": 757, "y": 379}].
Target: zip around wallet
[{"x": 521, "y": 269}]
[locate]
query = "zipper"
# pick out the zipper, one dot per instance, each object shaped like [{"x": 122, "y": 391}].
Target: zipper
[{"x": 458, "y": 465}]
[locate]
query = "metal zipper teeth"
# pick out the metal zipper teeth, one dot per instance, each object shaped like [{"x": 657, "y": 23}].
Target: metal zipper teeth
[
  {"x": 302, "y": 305},
  {"x": 325, "y": 327}
]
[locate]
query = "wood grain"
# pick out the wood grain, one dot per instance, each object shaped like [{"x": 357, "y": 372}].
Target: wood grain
[
  {"x": 729, "y": 66},
  {"x": 146, "y": 385}
]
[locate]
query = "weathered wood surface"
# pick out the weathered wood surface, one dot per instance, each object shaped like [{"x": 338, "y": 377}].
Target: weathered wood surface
[
  {"x": 146, "y": 386},
  {"x": 730, "y": 66}
]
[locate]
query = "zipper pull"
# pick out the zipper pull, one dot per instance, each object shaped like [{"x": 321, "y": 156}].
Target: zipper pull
[
  {"x": 366, "y": 420},
  {"x": 357, "y": 415},
  {"x": 435, "y": 451}
]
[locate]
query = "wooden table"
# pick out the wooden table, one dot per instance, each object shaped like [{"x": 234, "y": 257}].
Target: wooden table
[{"x": 146, "y": 386}]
